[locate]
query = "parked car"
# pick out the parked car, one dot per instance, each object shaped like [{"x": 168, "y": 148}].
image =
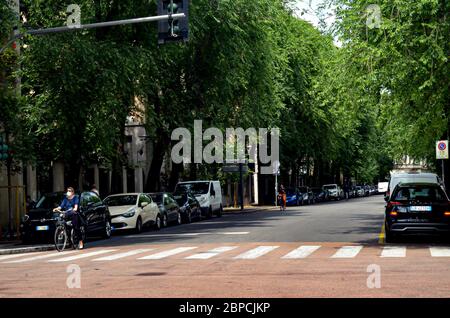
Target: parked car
[
  {"x": 208, "y": 194},
  {"x": 359, "y": 191},
  {"x": 189, "y": 207},
  {"x": 168, "y": 208},
  {"x": 293, "y": 197},
  {"x": 383, "y": 187},
  {"x": 40, "y": 222},
  {"x": 335, "y": 192},
  {"x": 416, "y": 208},
  {"x": 132, "y": 211},
  {"x": 411, "y": 177},
  {"x": 308, "y": 196},
  {"x": 320, "y": 195}
]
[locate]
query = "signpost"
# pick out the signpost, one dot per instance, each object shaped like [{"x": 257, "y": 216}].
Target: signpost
[
  {"x": 235, "y": 166},
  {"x": 276, "y": 172},
  {"x": 442, "y": 154}
]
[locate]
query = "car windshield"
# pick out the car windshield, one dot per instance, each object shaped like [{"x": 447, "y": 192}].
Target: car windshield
[
  {"x": 422, "y": 193},
  {"x": 157, "y": 197},
  {"x": 50, "y": 201},
  {"x": 194, "y": 188},
  {"x": 180, "y": 198},
  {"x": 119, "y": 200},
  {"x": 329, "y": 187}
]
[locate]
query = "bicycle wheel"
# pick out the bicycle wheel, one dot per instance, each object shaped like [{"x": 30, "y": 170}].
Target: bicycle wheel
[
  {"x": 60, "y": 238},
  {"x": 75, "y": 240}
]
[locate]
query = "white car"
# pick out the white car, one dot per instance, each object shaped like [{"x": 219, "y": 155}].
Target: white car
[
  {"x": 334, "y": 191},
  {"x": 208, "y": 194},
  {"x": 132, "y": 211}
]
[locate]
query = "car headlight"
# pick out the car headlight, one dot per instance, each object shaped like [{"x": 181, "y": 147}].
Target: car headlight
[{"x": 129, "y": 213}]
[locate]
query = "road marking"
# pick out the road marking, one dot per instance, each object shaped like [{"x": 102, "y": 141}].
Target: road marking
[
  {"x": 232, "y": 233},
  {"x": 302, "y": 252},
  {"x": 9, "y": 256},
  {"x": 123, "y": 255},
  {"x": 211, "y": 253},
  {"x": 168, "y": 253},
  {"x": 186, "y": 234},
  {"x": 394, "y": 251},
  {"x": 440, "y": 251},
  {"x": 39, "y": 257},
  {"x": 256, "y": 252},
  {"x": 382, "y": 235},
  {"x": 85, "y": 255},
  {"x": 347, "y": 252}
]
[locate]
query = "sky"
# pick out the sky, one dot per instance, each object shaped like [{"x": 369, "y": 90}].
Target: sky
[{"x": 308, "y": 8}]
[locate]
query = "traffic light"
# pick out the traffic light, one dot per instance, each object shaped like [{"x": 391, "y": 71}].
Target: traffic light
[
  {"x": 3, "y": 149},
  {"x": 173, "y": 30}
]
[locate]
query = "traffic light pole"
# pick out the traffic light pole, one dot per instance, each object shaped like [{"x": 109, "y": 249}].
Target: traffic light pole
[{"x": 94, "y": 26}]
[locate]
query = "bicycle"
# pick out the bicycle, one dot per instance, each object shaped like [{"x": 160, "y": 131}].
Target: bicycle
[
  {"x": 63, "y": 228},
  {"x": 281, "y": 203}
]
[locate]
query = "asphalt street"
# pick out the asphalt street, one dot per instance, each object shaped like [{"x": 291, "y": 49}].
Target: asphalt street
[{"x": 332, "y": 249}]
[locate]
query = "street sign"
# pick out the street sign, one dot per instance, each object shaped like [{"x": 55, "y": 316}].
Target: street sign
[
  {"x": 234, "y": 168},
  {"x": 442, "y": 149}
]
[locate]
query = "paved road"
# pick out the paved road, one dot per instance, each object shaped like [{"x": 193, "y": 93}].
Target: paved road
[{"x": 322, "y": 250}]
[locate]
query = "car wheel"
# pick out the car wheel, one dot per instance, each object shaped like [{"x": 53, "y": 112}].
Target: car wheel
[
  {"x": 188, "y": 216},
  {"x": 209, "y": 214},
  {"x": 138, "y": 228},
  {"x": 164, "y": 220},
  {"x": 179, "y": 221},
  {"x": 107, "y": 230},
  {"x": 158, "y": 222},
  {"x": 389, "y": 236},
  {"x": 220, "y": 211}
]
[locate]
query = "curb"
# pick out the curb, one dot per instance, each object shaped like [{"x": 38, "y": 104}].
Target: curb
[
  {"x": 247, "y": 210},
  {"x": 18, "y": 250}
]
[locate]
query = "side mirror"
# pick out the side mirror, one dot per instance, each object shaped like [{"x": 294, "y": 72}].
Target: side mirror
[
  {"x": 213, "y": 193},
  {"x": 144, "y": 204}
]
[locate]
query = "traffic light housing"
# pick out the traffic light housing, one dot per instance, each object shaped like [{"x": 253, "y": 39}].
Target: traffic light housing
[
  {"x": 4, "y": 149},
  {"x": 173, "y": 30}
]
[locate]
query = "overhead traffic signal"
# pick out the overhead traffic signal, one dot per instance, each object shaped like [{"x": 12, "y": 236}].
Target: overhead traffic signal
[
  {"x": 173, "y": 30},
  {"x": 4, "y": 149}
]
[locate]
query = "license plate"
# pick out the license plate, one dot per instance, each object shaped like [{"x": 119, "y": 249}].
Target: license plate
[
  {"x": 421, "y": 208},
  {"x": 42, "y": 228}
]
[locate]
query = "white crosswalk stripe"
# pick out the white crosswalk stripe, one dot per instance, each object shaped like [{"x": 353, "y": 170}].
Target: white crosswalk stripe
[
  {"x": 394, "y": 251},
  {"x": 256, "y": 252},
  {"x": 10, "y": 256},
  {"x": 440, "y": 251},
  {"x": 123, "y": 255},
  {"x": 80, "y": 256},
  {"x": 212, "y": 253},
  {"x": 39, "y": 257},
  {"x": 168, "y": 253},
  {"x": 347, "y": 252},
  {"x": 302, "y": 252}
]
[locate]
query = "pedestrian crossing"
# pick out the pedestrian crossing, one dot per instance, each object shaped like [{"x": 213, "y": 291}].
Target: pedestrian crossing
[{"x": 234, "y": 252}]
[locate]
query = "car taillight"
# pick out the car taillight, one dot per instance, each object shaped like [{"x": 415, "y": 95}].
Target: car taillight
[
  {"x": 393, "y": 213},
  {"x": 393, "y": 203},
  {"x": 446, "y": 213}
]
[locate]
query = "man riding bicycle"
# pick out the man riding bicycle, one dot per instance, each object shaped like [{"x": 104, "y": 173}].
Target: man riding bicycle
[
  {"x": 282, "y": 197},
  {"x": 71, "y": 203}
]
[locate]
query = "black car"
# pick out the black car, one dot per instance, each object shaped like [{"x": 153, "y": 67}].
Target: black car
[
  {"x": 189, "y": 206},
  {"x": 416, "y": 208},
  {"x": 40, "y": 222},
  {"x": 168, "y": 207},
  {"x": 319, "y": 194}
]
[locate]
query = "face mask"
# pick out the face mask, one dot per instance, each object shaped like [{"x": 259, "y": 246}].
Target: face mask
[{"x": 68, "y": 194}]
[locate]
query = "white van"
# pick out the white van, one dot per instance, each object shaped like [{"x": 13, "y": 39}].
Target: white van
[
  {"x": 406, "y": 177},
  {"x": 208, "y": 194},
  {"x": 383, "y": 187}
]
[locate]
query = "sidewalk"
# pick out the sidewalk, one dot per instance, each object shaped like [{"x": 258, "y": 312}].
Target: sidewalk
[
  {"x": 16, "y": 247},
  {"x": 249, "y": 209}
]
